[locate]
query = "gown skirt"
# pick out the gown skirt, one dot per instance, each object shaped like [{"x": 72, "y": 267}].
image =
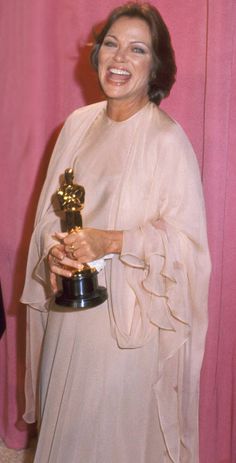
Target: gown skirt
[{"x": 97, "y": 403}]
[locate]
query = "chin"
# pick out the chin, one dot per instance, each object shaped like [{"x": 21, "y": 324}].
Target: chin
[{"x": 114, "y": 90}]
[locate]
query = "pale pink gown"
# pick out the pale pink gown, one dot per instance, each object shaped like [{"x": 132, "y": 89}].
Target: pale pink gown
[{"x": 119, "y": 383}]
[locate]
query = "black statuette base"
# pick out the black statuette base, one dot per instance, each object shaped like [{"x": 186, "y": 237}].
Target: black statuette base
[{"x": 81, "y": 291}]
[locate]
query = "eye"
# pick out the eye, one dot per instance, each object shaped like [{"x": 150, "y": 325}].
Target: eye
[
  {"x": 109, "y": 43},
  {"x": 139, "y": 50}
]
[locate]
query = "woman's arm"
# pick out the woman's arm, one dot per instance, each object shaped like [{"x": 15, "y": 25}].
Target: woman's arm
[
  {"x": 82, "y": 246},
  {"x": 90, "y": 244}
]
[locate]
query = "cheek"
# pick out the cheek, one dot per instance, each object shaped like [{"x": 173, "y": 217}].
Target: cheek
[
  {"x": 143, "y": 68},
  {"x": 100, "y": 76},
  {"x": 145, "y": 74},
  {"x": 103, "y": 55},
  {"x": 99, "y": 60},
  {"x": 102, "y": 63},
  {"x": 100, "y": 66},
  {"x": 100, "y": 57},
  {"x": 149, "y": 71}
]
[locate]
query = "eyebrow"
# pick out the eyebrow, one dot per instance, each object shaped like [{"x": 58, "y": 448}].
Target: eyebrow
[{"x": 132, "y": 42}]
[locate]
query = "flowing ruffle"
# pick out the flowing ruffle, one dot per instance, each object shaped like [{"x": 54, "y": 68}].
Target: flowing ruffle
[{"x": 158, "y": 278}]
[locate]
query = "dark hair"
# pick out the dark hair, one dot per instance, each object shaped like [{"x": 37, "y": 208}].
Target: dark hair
[{"x": 162, "y": 76}]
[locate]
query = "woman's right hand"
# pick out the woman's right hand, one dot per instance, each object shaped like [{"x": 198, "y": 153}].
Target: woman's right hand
[{"x": 60, "y": 264}]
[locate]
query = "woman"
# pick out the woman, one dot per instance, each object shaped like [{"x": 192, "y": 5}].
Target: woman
[{"x": 119, "y": 383}]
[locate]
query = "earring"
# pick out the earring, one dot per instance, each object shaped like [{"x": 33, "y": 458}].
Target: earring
[{"x": 153, "y": 75}]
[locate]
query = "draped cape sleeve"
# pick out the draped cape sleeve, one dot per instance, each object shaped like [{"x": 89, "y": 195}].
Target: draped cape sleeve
[
  {"x": 37, "y": 289},
  {"x": 37, "y": 292},
  {"x": 159, "y": 285}
]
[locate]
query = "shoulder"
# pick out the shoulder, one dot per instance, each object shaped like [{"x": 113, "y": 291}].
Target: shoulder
[
  {"x": 169, "y": 143},
  {"x": 170, "y": 137},
  {"x": 79, "y": 121},
  {"x": 85, "y": 112},
  {"x": 166, "y": 129}
]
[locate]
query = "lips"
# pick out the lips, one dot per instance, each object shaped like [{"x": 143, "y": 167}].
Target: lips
[
  {"x": 120, "y": 72},
  {"x": 118, "y": 75}
]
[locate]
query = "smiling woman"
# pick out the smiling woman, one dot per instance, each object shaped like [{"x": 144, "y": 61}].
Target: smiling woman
[
  {"x": 124, "y": 66},
  {"x": 119, "y": 383},
  {"x": 163, "y": 72}
]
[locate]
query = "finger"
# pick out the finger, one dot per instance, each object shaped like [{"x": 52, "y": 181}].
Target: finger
[
  {"x": 72, "y": 238},
  {"x": 57, "y": 269},
  {"x": 57, "y": 252},
  {"x": 77, "y": 234},
  {"x": 53, "y": 282},
  {"x": 70, "y": 248},
  {"x": 60, "y": 235},
  {"x": 53, "y": 263},
  {"x": 82, "y": 256},
  {"x": 56, "y": 266},
  {"x": 85, "y": 253},
  {"x": 75, "y": 264}
]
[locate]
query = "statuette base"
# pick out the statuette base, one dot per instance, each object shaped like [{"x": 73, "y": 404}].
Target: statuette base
[{"x": 81, "y": 291}]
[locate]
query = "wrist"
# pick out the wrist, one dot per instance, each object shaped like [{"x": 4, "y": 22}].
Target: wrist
[{"x": 114, "y": 241}]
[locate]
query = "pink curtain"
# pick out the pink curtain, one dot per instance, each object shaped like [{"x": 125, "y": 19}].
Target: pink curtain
[{"x": 45, "y": 74}]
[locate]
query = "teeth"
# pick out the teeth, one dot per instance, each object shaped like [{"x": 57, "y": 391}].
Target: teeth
[{"x": 120, "y": 72}]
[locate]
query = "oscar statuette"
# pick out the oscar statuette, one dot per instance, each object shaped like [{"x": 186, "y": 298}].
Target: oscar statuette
[{"x": 81, "y": 290}]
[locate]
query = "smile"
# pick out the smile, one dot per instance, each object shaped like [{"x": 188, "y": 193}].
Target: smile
[{"x": 119, "y": 72}]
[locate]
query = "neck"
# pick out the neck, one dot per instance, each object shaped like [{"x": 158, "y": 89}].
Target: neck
[{"x": 120, "y": 111}]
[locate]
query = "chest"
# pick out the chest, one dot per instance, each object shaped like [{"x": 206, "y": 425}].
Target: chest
[{"x": 117, "y": 167}]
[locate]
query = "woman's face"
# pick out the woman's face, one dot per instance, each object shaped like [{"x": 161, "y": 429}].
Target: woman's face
[{"x": 125, "y": 61}]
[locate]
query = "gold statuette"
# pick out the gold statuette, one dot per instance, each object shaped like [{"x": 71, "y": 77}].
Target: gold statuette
[{"x": 81, "y": 290}]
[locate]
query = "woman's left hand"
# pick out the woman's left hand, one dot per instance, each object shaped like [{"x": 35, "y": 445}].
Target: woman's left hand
[{"x": 88, "y": 244}]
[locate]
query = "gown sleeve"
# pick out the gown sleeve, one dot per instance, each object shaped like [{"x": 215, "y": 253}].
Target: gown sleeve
[
  {"x": 164, "y": 265},
  {"x": 159, "y": 288},
  {"x": 37, "y": 292}
]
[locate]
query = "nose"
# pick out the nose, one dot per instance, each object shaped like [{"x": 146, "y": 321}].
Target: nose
[{"x": 120, "y": 55}]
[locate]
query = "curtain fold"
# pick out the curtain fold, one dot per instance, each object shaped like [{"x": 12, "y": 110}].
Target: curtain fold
[
  {"x": 218, "y": 406},
  {"x": 44, "y": 51}
]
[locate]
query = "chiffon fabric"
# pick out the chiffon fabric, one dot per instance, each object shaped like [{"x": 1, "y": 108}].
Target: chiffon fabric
[{"x": 120, "y": 382}]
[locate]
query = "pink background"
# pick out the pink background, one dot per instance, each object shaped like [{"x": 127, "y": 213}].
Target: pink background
[{"x": 44, "y": 76}]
